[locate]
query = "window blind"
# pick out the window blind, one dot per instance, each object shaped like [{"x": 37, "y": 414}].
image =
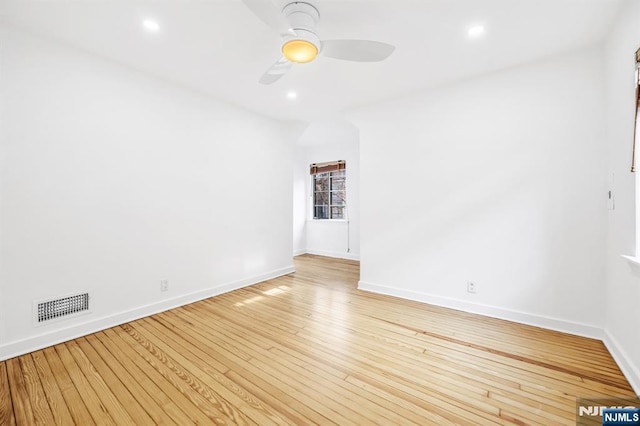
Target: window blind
[{"x": 331, "y": 166}]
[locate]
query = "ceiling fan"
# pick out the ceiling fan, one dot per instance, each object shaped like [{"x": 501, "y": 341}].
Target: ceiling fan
[{"x": 296, "y": 23}]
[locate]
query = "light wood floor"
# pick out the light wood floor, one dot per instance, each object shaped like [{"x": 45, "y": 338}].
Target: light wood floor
[{"x": 309, "y": 348}]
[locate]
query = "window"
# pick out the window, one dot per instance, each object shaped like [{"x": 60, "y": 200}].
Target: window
[{"x": 329, "y": 190}]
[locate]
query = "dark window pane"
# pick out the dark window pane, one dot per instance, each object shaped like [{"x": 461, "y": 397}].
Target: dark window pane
[
  {"x": 338, "y": 198},
  {"x": 321, "y": 184},
  {"x": 321, "y": 198},
  {"x": 321, "y": 212},
  {"x": 338, "y": 184}
]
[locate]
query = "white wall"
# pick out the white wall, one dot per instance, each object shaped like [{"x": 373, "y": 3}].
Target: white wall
[
  {"x": 498, "y": 180},
  {"x": 113, "y": 180},
  {"x": 300, "y": 201},
  {"x": 623, "y": 278},
  {"x": 328, "y": 141}
]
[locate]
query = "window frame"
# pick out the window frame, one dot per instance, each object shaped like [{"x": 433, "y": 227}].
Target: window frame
[{"x": 338, "y": 173}]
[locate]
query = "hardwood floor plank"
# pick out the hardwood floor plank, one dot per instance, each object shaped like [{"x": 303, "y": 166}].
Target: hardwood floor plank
[
  {"x": 128, "y": 383},
  {"x": 61, "y": 414},
  {"x": 7, "y": 416},
  {"x": 187, "y": 371},
  {"x": 305, "y": 371},
  {"x": 123, "y": 407},
  {"x": 325, "y": 352},
  {"x": 173, "y": 402},
  {"x": 298, "y": 395},
  {"x": 227, "y": 395},
  {"x": 92, "y": 401},
  {"x": 109, "y": 402},
  {"x": 177, "y": 377},
  {"x": 310, "y": 348},
  {"x": 41, "y": 411},
  {"x": 320, "y": 370},
  {"x": 264, "y": 387},
  {"x": 21, "y": 402},
  {"x": 73, "y": 400}
]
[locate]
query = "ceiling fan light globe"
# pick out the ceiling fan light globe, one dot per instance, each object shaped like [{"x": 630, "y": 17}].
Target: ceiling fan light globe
[{"x": 299, "y": 51}]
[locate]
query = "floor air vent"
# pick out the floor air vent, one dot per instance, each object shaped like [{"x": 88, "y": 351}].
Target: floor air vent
[{"x": 63, "y": 307}]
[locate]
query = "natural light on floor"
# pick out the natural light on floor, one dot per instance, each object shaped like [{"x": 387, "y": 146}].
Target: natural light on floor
[
  {"x": 276, "y": 290},
  {"x": 250, "y": 300},
  {"x": 271, "y": 292}
]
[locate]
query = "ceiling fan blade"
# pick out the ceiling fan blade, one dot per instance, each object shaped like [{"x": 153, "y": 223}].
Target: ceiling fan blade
[
  {"x": 357, "y": 50},
  {"x": 276, "y": 71},
  {"x": 269, "y": 14}
]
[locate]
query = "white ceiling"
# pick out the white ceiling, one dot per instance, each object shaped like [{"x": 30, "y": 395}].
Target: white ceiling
[{"x": 219, "y": 47}]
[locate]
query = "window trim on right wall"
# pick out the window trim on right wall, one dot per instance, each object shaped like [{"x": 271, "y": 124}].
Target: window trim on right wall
[
  {"x": 635, "y": 259},
  {"x": 636, "y": 126}
]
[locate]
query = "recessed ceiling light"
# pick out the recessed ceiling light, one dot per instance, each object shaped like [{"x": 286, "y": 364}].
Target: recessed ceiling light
[
  {"x": 476, "y": 31},
  {"x": 292, "y": 95},
  {"x": 150, "y": 25}
]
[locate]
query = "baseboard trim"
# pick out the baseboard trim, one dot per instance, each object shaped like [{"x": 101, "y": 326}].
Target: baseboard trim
[
  {"x": 55, "y": 337},
  {"x": 335, "y": 254},
  {"x": 550, "y": 323},
  {"x": 299, "y": 252},
  {"x": 628, "y": 368}
]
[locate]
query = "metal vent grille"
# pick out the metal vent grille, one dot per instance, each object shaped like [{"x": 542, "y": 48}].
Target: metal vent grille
[{"x": 53, "y": 309}]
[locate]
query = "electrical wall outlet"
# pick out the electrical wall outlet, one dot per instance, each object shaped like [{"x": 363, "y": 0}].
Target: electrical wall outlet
[
  {"x": 471, "y": 287},
  {"x": 164, "y": 285}
]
